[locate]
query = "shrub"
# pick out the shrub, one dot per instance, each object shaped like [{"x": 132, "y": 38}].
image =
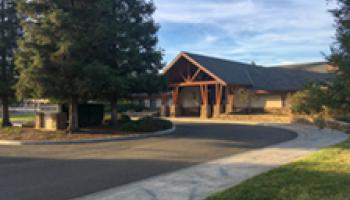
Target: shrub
[
  {"x": 147, "y": 124},
  {"x": 344, "y": 118},
  {"x": 312, "y": 100},
  {"x": 124, "y": 119},
  {"x": 127, "y": 106},
  {"x": 90, "y": 114}
]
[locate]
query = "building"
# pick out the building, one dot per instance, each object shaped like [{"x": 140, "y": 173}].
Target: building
[{"x": 207, "y": 86}]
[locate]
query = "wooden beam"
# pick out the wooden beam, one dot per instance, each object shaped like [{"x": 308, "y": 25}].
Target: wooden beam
[
  {"x": 194, "y": 83},
  {"x": 203, "y": 68},
  {"x": 188, "y": 58},
  {"x": 195, "y": 74}
]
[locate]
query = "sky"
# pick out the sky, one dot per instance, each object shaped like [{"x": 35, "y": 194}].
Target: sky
[{"x": 268, "y": 32}]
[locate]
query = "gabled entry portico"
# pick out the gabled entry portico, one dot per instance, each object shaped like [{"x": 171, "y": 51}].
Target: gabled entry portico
[
  {"x": 185, "y": 74},
  {"x": 207, "y": 86}
]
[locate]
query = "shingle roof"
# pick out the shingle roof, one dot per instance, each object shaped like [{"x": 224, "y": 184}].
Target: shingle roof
[
  {"x": 258, "y": 77},
  {"x": 320, "y": 67}
]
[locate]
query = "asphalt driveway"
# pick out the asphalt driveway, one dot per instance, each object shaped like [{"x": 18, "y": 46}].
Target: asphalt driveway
[{"x": 68, "y": 171}]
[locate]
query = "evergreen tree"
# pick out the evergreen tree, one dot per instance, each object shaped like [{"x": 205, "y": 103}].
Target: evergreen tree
[
  {"x": 132, "y": 51},
  {"x": 339, "y": 90},
  {"x": 8, "y": 35},
  {"x": 57, "y": 54}
]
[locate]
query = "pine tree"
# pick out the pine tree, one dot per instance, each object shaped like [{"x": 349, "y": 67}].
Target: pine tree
[
  {"x": 56, "y": 57},
  {"x": 340, "y": 89},
  {"x": 8, "y": 35},
  {"x": 132, "y": 51}
]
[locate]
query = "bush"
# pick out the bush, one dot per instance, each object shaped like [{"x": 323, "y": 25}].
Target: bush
[
  {"x": 345, "y": 118},
  {"x": 147, "y": 124},
  {"x": 312, "y": 100},
  {"x": 124, "y": 119},
  {"x": 127, "y": 106},
  {"x": 90, "y": 114}
]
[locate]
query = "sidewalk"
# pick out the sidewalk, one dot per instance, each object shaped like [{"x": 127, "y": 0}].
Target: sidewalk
[{"x": 200, "y": 181}]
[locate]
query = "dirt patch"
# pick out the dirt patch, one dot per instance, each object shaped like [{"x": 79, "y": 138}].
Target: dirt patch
[{"x": 30, "y": 134}]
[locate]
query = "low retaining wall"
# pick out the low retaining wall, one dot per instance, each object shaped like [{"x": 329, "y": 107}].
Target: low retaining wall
[
  {"x": 264, "y": 118},
  {"x": 330, "y": 123}
]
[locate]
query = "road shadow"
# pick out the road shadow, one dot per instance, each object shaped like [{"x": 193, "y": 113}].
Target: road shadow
[{"x": 55, "y": 179}]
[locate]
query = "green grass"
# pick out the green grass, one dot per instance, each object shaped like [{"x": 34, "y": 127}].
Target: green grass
[
  {"x": 323, "y": 175},
  {"x": 21, "y": 117}
]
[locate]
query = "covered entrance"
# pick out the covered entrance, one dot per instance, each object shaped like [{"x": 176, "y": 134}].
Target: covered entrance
[{"x": 196, "y": 91}]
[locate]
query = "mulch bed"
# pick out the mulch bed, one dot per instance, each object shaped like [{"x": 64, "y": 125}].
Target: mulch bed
[{"x": 27, "y": 134}]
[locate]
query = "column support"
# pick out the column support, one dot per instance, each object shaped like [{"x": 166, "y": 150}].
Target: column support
[
  {"x": 164, "y": 106},
  {"x": 218, "y": 106},
  {"x": 175, "y": 108},
  {"x": 205, "y": 112},
  {"x": 230, "y": 100}
]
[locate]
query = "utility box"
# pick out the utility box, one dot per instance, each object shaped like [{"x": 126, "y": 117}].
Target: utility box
[{"x": 50, "y": 117}]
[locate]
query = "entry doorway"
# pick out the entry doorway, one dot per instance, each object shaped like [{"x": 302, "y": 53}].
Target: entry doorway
[{"x": 190, "y": 101}]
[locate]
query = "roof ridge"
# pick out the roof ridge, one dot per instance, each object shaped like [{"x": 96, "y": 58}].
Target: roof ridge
[
  {"x": 301, "y": 63},
  {"x": 222, "y": 59}
]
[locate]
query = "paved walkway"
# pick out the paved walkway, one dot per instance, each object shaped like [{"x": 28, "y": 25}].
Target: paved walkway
[{"x": 199, "y": 181}]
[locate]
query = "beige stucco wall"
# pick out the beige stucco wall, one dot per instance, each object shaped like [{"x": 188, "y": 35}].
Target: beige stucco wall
[
  {"x": 259, "y": 101},
  {"x": 267, "y": 101}
]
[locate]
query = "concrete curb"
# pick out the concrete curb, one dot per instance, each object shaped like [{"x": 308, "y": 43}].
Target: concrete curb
[
  {"x": 87, "y": 141},
  {"x": 198, "y": 182}
]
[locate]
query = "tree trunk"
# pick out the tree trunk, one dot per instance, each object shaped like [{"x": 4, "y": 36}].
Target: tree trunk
[
  {"x": 5, "y": 112},
  {"x": 73, "y": 116},
  {"x": 114, "y": 113}
]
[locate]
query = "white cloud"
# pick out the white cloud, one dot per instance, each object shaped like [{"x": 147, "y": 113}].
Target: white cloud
[
  {"x": 267, "y": 31},
  {"x": 197, "y": 11}
]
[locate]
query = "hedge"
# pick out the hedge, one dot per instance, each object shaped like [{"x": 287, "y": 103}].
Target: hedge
[{"x": 147, "y": 124}]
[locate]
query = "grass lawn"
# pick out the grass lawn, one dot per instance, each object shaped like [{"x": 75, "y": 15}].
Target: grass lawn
[
  {"x": 323, "y": 175},
  {"x": 21, "y": 117}
]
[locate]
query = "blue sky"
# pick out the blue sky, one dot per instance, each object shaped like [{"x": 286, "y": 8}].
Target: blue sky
[{"x": 269, "y": 32}]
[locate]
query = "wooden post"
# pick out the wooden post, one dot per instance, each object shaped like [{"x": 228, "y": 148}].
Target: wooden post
[
  {"x": 175, "y": 109},
  {"x": 164, "y": 106},
  {"x": 218, "y": 107},
  {"x": 230, "y": 100},
  {"x": 205, "y": 108}
]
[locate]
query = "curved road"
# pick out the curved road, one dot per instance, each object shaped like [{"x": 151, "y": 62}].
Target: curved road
[{"x": 68, "y": 171}]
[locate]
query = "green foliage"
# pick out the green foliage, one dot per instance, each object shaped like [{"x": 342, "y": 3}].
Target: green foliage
[
  {"x": 56, "y": 56},
  {"x": 344, "y": 118},
  {"x": 339, "y": 93},
  {"x": 126, "y": 106},
  {"x": 8, "y": 36},
  {"x": 312, "y": 100},
  {"x": 123, "y": 119},
  {"x": 132, "y": 47},
  {"x": 9, "y": 31},
  {"x": 147, "y": 124},
  {"x": 90, "y": 114}
]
